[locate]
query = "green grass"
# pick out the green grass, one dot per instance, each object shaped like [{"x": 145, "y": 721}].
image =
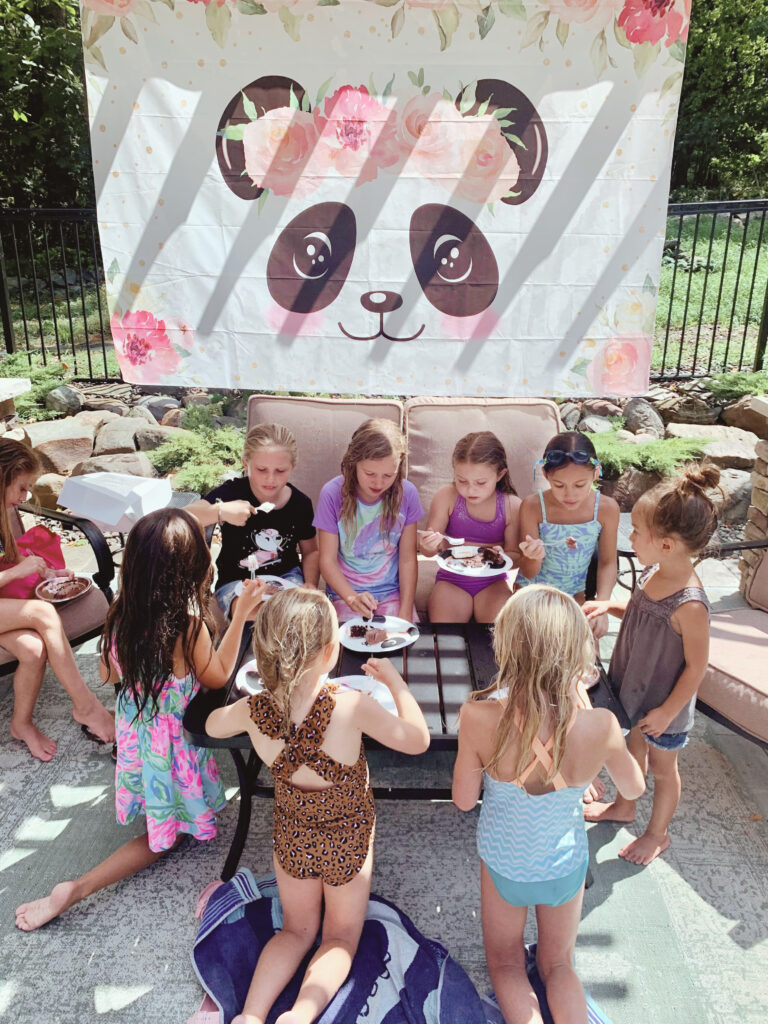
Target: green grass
[{"x": 662, "y": 456}]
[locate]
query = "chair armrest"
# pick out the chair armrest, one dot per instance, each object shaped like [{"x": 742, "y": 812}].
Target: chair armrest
[
  {"x": 722, "y": 550},
  {"x": 105, "y": 573}
]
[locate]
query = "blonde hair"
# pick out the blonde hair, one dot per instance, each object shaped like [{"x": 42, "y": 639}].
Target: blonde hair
[
  {"x": 269, "y": 435},
  {"x": 290, "y": 632},
  {"x": 542, "y": 643},
  {"x": 15, "y": 458},
  {"x": 374, "y": 439},
  {"x": 484, "y": 448}
]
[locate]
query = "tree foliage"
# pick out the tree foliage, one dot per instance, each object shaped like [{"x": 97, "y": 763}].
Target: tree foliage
[{"x": 46, "y": 151}]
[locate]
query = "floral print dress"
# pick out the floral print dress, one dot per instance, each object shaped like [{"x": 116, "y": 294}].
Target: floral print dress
[{"x": 158, "y": 774}]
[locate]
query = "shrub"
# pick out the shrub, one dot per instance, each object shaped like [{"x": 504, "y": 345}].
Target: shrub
[
  {"x": 202, "y": 460},
  {"x": 662, "y": 456},
  {"x": 44, "y": 378},
  {"x": 727, "y": 387}
]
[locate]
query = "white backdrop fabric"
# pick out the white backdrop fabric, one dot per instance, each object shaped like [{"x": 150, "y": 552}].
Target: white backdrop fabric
[{"x": 384, "y": 196}]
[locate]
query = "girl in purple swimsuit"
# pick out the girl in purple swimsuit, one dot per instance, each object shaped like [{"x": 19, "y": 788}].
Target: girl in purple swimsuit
[{"x": 481, "y": 507}]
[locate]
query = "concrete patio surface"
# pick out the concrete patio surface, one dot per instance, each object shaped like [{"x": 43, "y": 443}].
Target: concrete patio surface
[{"x": 684, "y": 941}]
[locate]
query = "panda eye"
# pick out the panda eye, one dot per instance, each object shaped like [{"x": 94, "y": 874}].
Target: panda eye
[
  {"x": 454, "y": 263},
  {"x": 311, "y": 258}
]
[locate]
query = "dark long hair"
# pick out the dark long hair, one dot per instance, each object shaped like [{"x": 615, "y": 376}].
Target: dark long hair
[{"x": 165, "y": 584}]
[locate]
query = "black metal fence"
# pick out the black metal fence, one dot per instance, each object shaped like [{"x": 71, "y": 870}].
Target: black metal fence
[{"x": 712, "y": 312}]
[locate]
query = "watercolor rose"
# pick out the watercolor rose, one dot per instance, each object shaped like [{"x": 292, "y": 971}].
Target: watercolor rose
[
  {"x": 113, "y": 8},
  {"x": 621, "y": 366},
  {"x": 598, "y": 13},
  {"x": 637, "y": 314},
  {"x": 648, "y": 21},
  {"x": 143, "y": 347},
  {"x": 356, "y": 134},
  {"x": 277, "y": 148}
]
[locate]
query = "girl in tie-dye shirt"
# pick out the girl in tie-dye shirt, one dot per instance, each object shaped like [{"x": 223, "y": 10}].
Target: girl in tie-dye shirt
[{"x": 366, "y": 520}]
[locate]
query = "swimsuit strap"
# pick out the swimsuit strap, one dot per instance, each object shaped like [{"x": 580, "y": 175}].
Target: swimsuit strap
[
  {"x": 501, "y": 506},
  {"x": 541, "y": 751},
  {"x": 597, "y": 505},
  {"x": 303, "y": 742},
  {"x": 543, "y": 510}
]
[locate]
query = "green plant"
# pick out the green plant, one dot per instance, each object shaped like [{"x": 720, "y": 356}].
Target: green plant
[
  {"x": 200, "y": 417},
  {"x": 727, "y": 387},
  {"x": 202, "y": 459},
  {"x": 44, "y": 378},
  {"x": 662, "y": 456}
]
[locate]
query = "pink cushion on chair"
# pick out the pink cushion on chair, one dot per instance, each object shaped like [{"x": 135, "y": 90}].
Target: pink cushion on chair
[
  {"x": 757, "y": 591},
  {"x": 736, "y": 683}
]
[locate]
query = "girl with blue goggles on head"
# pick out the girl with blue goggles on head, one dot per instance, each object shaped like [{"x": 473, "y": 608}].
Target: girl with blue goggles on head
[{"x": 564, "y": 525}]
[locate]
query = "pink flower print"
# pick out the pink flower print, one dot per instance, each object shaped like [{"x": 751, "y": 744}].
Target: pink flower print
[
  {"x": 621, "y": 366},
  {"x": 126, "y": 804},
  {"x": 357, "y": 135},
  {"x": 162, "y": 834},
  {"x": 648, "y": 21},
  {"x": 144, "y": 350},
  {"x": 277, "y": 148},
  {"x": 212, "y": 769},
  {"x": 127, "y": 746},
  {"x": 114, "y": 8},
  {"x": 160, "y": 736},
  {"x": 598, "y": 13},
  {"x": 186, "y": 773},
  {"x": 571, "y": 543}
]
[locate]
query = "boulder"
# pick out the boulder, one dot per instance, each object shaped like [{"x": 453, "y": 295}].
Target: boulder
[
  {"x": 594, "y": 425},
  {"x": 690, "y": 403},
  {"x": 173, "y": 418},
  {"x": 47, "y": 489},
  {"x": 228, "y": 421},
  {"x": 749, "y": 413},
  {"x": 61, "y": 444},
  {"x": 600, "y": 407},
  {"x": 727, "y": 447},
  {"x": 118, "y": 436},
  {"x": 148, "y": 438},
  {"x": 96, "y": 419},
  {"x": 761, "y": 450},
  {"x": 626, "y": 435},
  {"x": 140, "y": 412},
  {"x": 134, "y": 463},
  {"x": 64, "y": 399},
  {"x": 732, "y": 495},
  {"x": 631, "y": 484},
  {"x": 107, "y": 405},
  {"x": 641, "y": 418},
  {"x": 196, "y": 398},
  {"x": 17, "y": 434},
  {"x": 570, "y": 414},
  {"x": 238, "y": 408},
  {"x": 158, "y": 405}
]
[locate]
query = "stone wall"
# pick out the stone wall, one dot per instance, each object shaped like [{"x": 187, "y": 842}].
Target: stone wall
[{"x": 757, "y": 515}]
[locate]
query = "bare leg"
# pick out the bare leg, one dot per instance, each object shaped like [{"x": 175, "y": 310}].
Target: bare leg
[
  {"x": 448, "y": 603},
  {"x": 666, "y": 797},
  {"x": 29, "y": 650},
  {"x": 503, "y": 927},
  {"x": 301, "y": 901},
  {"x": 42, "y": 618},
  {"x": 128, "y": 860},
  {"x": 621, "y": 809},
  {"x": 489, "y": 602},
  {"x": 554, "y": 956}
]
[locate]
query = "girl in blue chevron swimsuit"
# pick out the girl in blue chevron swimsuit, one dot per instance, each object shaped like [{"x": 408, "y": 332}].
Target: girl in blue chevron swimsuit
[{"x": 531, "y": 743}]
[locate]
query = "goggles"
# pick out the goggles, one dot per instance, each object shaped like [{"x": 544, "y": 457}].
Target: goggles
[{"x": 557, "y": 458}]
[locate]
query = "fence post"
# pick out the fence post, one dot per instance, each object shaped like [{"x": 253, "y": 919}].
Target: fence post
[
  {"x": 5, "y": 304},
  {"x": 762, "y": 337}
]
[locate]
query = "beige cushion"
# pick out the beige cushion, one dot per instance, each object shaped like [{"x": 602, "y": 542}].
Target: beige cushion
[
  {"x": 434, "y": 425},
  {"x": 736, "y": 683},
  {"x": 322, "y": 427},
  {"x": 757, "y": 591},
  {"x": 79, "y": 617}
]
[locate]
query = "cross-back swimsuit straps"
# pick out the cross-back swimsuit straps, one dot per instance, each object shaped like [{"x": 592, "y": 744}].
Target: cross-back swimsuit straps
[
  {"x": 321, "y": 833},
  {"x": 570, "y": 547},
  {"x": 475, "y": 531},
  {"x": 534, "y": 847}
]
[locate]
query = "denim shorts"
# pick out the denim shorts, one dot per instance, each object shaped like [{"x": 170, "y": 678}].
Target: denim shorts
[
  {"x": 667, "y": 740},
  {"x": 227, "y": 593},
  {"x": 551, "y": 893}
]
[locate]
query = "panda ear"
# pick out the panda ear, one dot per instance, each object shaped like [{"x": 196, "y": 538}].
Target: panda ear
[
  {"x": 524, "y": 124},
  {"x": 264, "y": 94}
]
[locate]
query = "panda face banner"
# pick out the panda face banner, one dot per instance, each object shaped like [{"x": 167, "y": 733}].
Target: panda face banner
[{"x": 384, "y": 196}]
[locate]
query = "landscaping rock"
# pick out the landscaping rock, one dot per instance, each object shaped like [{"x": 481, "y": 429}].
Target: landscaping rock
[
  {"x": 641, "y": 418},
  {"x": 238, "y": 409},
  {"x": 64, "y": 399},
  {"x": 761, "y": 450},
  {"x": 47, "y": 489},
  {"x": 570, "y": 414},
  {"x": 749, "y": 413},
  {"x": 107, "y": 405},
  {"x": 594, "y": 425},
  {"x": 158, "y": 405},
  {"x": 140, "y": 412},
  {"x": 600, "y": 407},
  {"x": 690, "y": 403},
  {"x": 173, "y": 418},
  {"x": 732, "y": 496},
  {"x": 626, "y": 435},
  {"x": 631, "y": 484},
  {"x": 17, "y": 434},
  {"x": 96, "y": 419},
  {"x": 196, "y": 398},
  {"x": 118, "y": 436},
  {"x": 134, "y": 463},
  {"x": 228, "y": 421},
  {"x": 61, "y": 444},
  {"x": 148, "y": 438},
  {"x": 727, "y": 447}
]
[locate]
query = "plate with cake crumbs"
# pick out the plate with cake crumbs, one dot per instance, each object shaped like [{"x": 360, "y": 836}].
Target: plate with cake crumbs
[
  {"x": 247, "y": 681},
  {"x": 373, "y": 687},
  {"x": 274, "y": 585},
  {"x": 59, "y": 589},
  {"x": 474, "y": 560},
  {"x": 381, "y": 634}
]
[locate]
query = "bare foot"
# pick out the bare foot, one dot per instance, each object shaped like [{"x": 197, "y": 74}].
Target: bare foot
[
  {"x": 594, "y": 791},
  {"x": 599, "y": 811},
  {"x": 289, "y": 1017},
  {"x": 40, "y": 745},
  {"x": 246, "y": 1018},
  {"x": 645, "y": 848},
  {"x": 99, "y": 721},
  {"x": 39, "y": 912}
]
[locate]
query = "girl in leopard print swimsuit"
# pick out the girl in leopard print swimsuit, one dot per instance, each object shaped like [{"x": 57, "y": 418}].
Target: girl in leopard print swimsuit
[{"x": 309, "y": 733}]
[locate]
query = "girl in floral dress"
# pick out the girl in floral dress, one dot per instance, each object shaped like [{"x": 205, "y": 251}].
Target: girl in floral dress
[{"x": 157, "y": 650}]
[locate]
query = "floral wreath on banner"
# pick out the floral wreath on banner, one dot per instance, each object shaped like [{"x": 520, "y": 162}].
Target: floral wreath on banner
[{"x": 639, "y": 25}]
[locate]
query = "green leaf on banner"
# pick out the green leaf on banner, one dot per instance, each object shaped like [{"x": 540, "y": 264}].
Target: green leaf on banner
[
  {"x": 398, "y": 20},
  {"x": 249, "y": 107},
  {"x": 95, "y": 54},
  {"x": 482, "y": 110},
  {"x": 290, "y": 22},
  {"x": 447, "y": 96},
  {"x": 413, "y": 78},
  {"x": 181, "y": 351},
  {"x": 261, "y": 200},
  {"x": 515, "y": 140},
  {"x": 468, "y": 98},
  {"x": 485, "y": 21},
  {"x": 293, "y": 101},
  {"x": 128, "y": 30},
  {"x": 425, "y": 90},
  {"x": 621, "y": 36},
  {"x": 535, "y": 28},
  {"x": 513, "y": 9},
  {"x": 100, "y": 24},
  {"x": 598, "y": 51},
  {"x": 670, "y": 83},
  {"x": 305, "y": 105},
  {"x": 250, "y": 7},
  {"x": 328, "y": 3},
  {"x": 420, "y": 78},
  {"x": 86, "y": 23},
  {"x": 677, "y": 50},
  {"x": 218, "y": 20},
  {"x": 144, "y": 9},
  {"x": 168, "y": 3},
  {"x": 372, "y": 90},
  {"x": 113, "y": 270},
  {"x": 388, "y": 88},
  {"x": 580, "y": 367},
  {"x": 489, "y": 207},
  {"x": 562, "y": 30},
  {"x": 511, "y": 194},
  {"x": 502, "y": 112},
  {"x": 644, "y": 55},
  {"x": 387, "y": 3},
  {"x": 648, "y": 285},
  {"x": 233, "y": 132},
  {"x": 447, "y": 19},
  {"x": 323, "y": 90}
]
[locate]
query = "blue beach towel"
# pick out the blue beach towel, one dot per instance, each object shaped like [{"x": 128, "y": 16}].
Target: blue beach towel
[{"x": 398, "y": 975}]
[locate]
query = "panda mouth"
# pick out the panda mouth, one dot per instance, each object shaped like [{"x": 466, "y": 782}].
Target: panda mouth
[{"x": 381, "y": 333}]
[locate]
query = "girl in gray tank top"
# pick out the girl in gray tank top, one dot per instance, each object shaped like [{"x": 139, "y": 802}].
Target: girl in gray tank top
[{"x": 662, "y": 649}]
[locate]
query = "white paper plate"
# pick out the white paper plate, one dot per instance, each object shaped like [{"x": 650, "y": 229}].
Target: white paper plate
[
  {"x": 247, "y": 680},
  {"x": 277, "y": 580},
  {"x": 390, "y": 623},
  {"x": 366, "y": 684},
  {"x": 42, "y": 593},
  {"x": 445, "y": 562}
]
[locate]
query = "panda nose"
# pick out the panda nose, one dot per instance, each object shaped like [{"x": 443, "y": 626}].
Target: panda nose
[{"x": 381, "y": 302}]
